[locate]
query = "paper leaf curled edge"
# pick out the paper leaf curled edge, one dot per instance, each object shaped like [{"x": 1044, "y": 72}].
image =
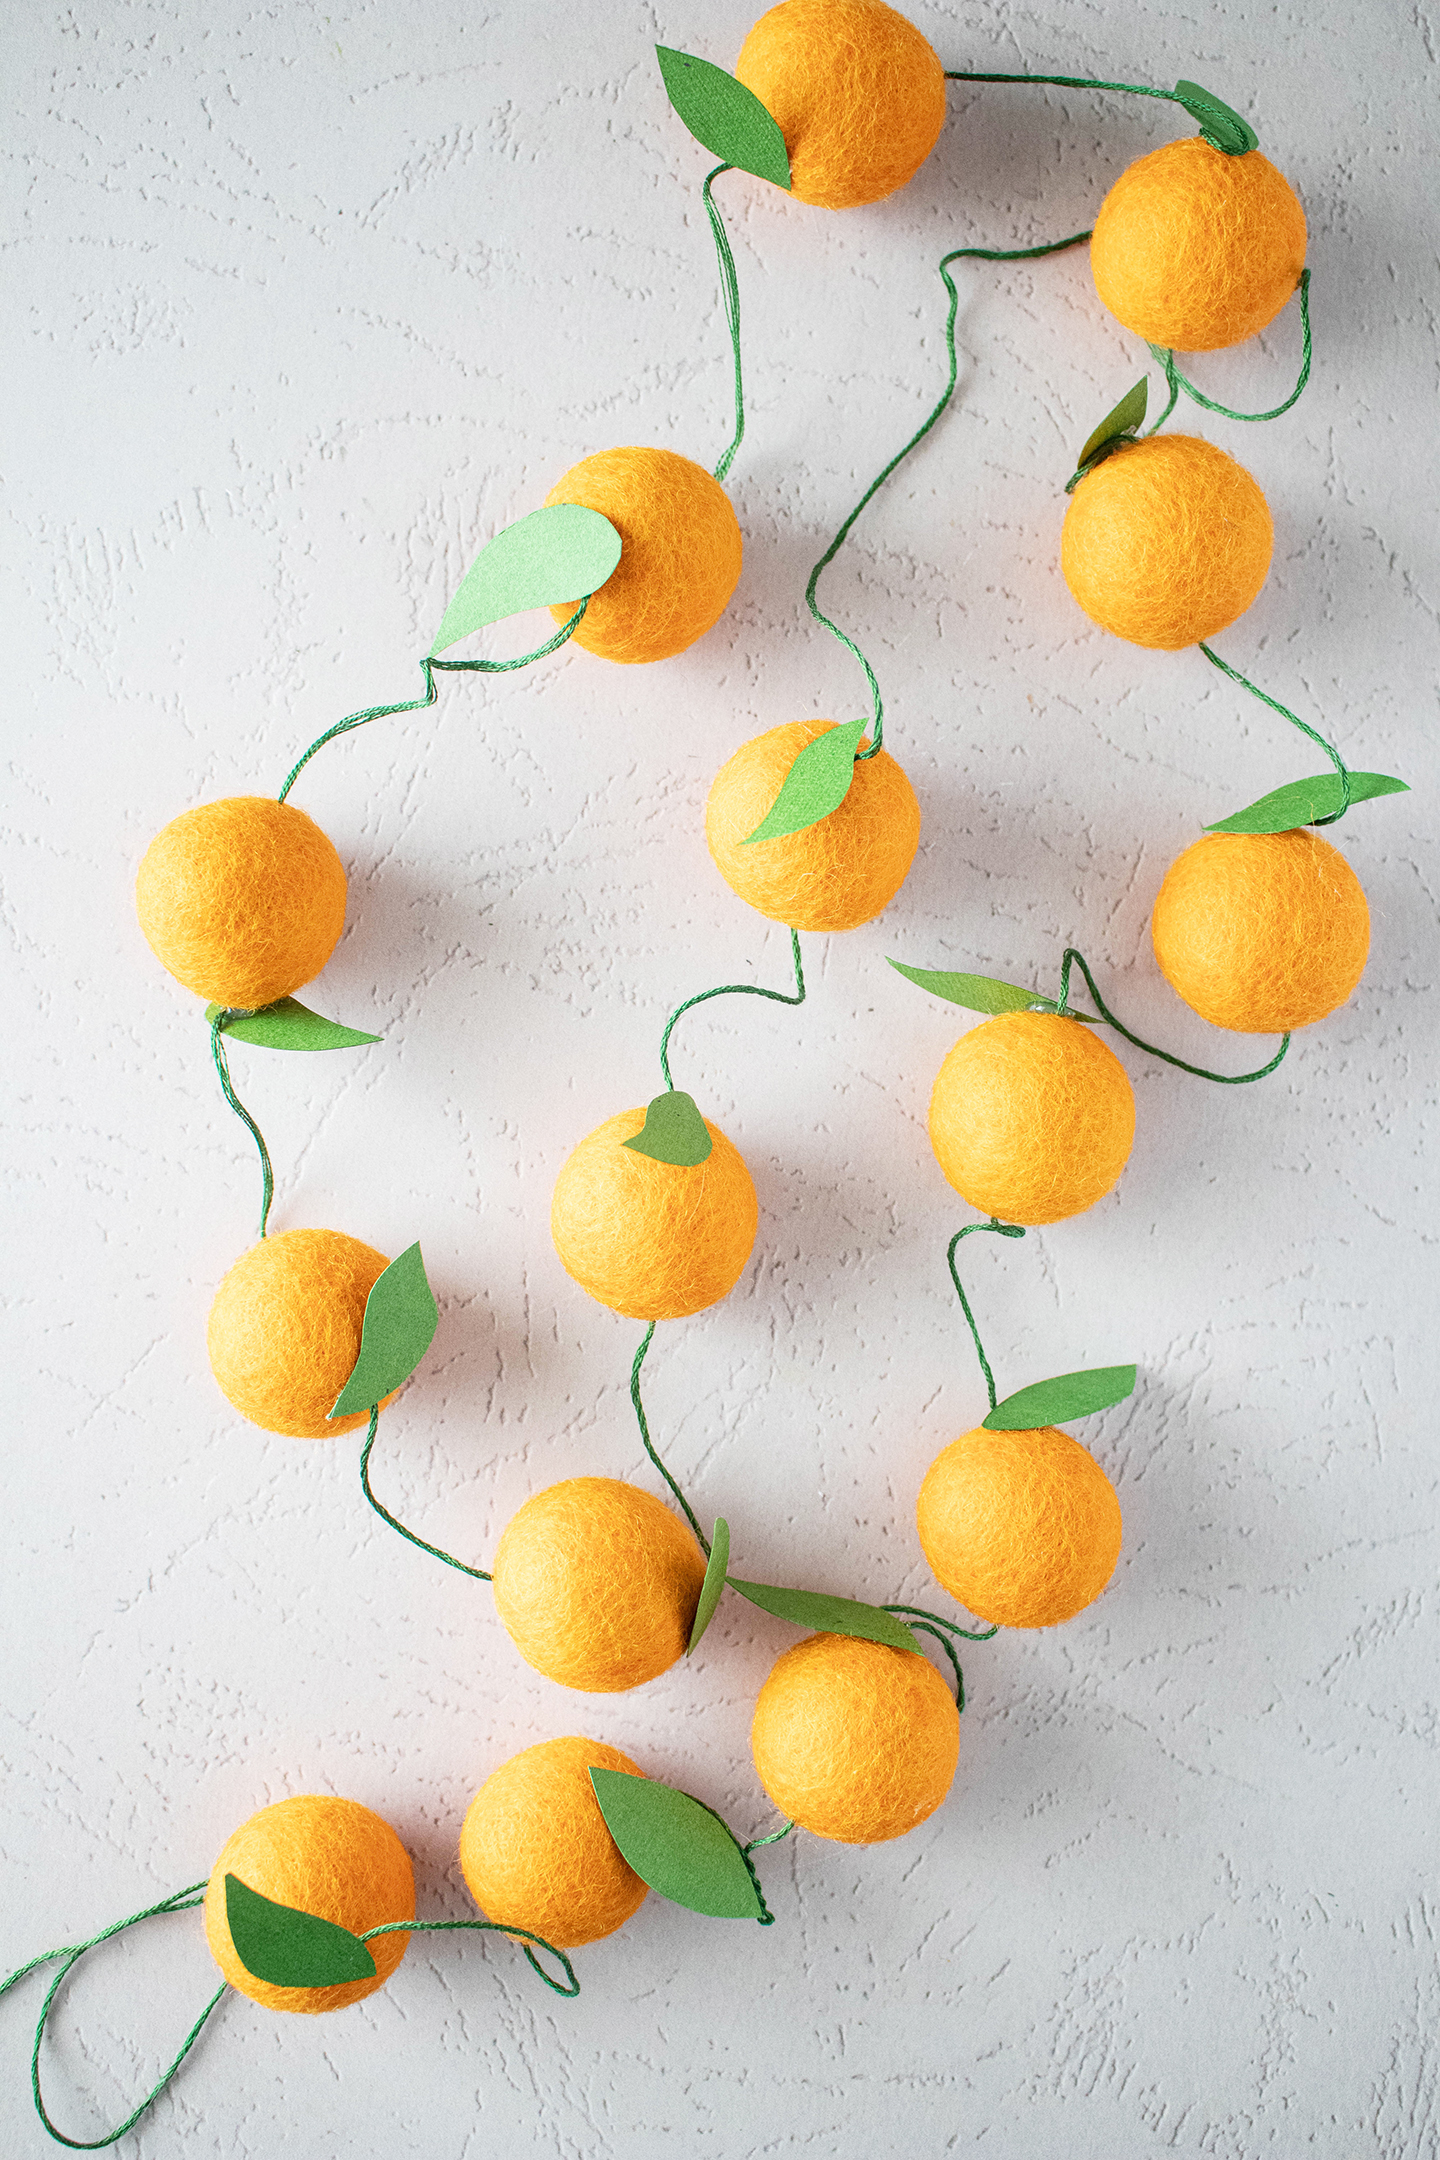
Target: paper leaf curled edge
[
  {"x": 1068, "y": 1395},
  {"x": 289, "y": 1025},
  {"x": 289, "y": 1948},
  {"x": 724, "y": 117},
  {"x": 979, "y": 993},
  {"x": 1119, "y": 423},
  {"x": 817, "y": 783},
  {"x": 677, "y": 1845},
  {"x": 561, "y": 553},
  {"x": 673, "y": 1132},
  {"x": 399, "y": 1327},
  {"x": 829, "y": 1615},
  {"x": 1222, "y": 127},
  {"x": 714, "y": 1582},
  {"x": 1306, "y": 802}
]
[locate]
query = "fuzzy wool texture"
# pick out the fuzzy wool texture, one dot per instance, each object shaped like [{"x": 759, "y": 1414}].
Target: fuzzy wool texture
[
  {"x": 853, "y": 1740},
  {"x": 1032, "y": 1117},
  {"x": 597, "y": 1584},
  {"x": 1261, "y": 932},
  {"x": 857, "y": 92},
  {"x": 332, "y": 1858},
  {"x": 1194, "y": 250},
  {"x": 833, "y": 876},
  {"x": 535, "y": 1849},
  {"x": 243, "y": 901},
  {"x": 1022, "y": 1528},
  {"x": 680, "y": 552},
  {"x": 284, "y": 1329},
  {"x": 1166, "y": 542},
  {"x": 653, "y": 1240}
]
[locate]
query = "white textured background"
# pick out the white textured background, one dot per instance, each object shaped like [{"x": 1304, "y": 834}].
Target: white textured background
[{"x": 301, "y": 306}]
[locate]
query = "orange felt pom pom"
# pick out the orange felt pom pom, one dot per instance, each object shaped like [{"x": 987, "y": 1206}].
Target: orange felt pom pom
[
  {"x": 1261, "y": 932},
  {"x": 284, "y": 1329},
  {"x": 837, "y": 873},
  {"x": 242, "y": 901},
  {"x": 332, "y": 1858},
  {"x": 1166, "y": 541},
  {"x": 1193, "y": 249},
  {"x": 597, "y": 1584},
  {"x": 1023, "y": 1528},
  {"x": 535, "y": 1849},
  {"x": 680, "y": 553},
  {"x": 853, "y": 1740},
  {"x": 1031, "y": 1117},
  {"x": 856, "y": 91}
]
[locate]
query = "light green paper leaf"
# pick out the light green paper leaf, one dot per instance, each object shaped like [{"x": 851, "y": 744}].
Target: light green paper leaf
[
  {"x": 290, "y": 1948},
  {"x": 1221, "y": 126},
  {"x": 714, "y": 1582},
  {"x": 723, "y": 116},
  {"x": 980, "y": 993},
  {"x": 817, "y": 783},
  {"x": 1305, "y": 802},
  {"x": 673, "y": 1132},
  {"x": 399, "y": 1327},
  {"x": 562, "y": 553},
  {"x": 289, "y": 1025},
  {"x": 1068, "y": 1395},
  {"x": 677, "y": 1845},
  {"x": 1122, "y": 419},
  {"x": 828, "y": 1615}
]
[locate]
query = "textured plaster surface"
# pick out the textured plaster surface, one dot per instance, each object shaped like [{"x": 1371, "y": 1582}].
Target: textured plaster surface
[{"x": 302, "y": 304}]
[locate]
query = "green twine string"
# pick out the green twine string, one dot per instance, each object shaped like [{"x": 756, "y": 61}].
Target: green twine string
[
  {"x": 179, "y": 1901},
  {"x": 1001, "y": 1230},
  {"x": 1179, "y": 382},
  {"x": 395, "y": 1524},
  {"x": 1073, "y": 959},
  {"x": 1069, "y": 82},
  {"x": 222, "y": 1067},
  {"x": 931, "y": 1624},
  {"x": 730, "y": 294},
  {"x": 690, "y": 1515},
  {"x": 493, "y": 1927},
  {"x": 1295, "y": 721},
  {"x": 780, "y": 997}
]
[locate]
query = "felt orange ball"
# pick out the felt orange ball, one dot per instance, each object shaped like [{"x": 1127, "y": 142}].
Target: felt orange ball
[
  {"x": 1261, "y": 932},
  {"x": 332, "y": 1858},
  {"x": 597, "y": 1584},
  {"x": 653, "y": 1240},
  {"x": 1166, "y": 541},
  {"x": 1032, "y": 1117},
  {"x": 834, "y": 875},
  {"x": 1023, "y": 1528},
  {"x": 1193, "y": 249},
  {"x": 242, "y": 901},
  {"x": 536, "y": 1852},
  {"x": 858, "y": 94},
  {"x": 679, "y": 559},
  {"x": 853, "y": 1740},
  {"x": 284, "y": 1329}
]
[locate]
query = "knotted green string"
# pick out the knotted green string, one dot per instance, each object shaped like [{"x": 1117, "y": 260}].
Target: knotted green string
[{"x": 1295, "y": 721}]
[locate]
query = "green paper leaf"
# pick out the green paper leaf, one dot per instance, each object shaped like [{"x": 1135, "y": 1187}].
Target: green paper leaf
[
  {"x": 677, "y": 1845},
  {"x": 981, "y": 993},
  {"x": 817, "y": 783},
  {"x": 1068, "y": 1395},
  {"x": 290, "y": 1948},
  {"x": 289, "y": 1025},
  {"x": 828, "y": 1615},
  {"x": 673, "y": 1132},
  {"x": 1305, "y": 802},
  {"x": 1221, "y": 126},
  {"x": 1119, "y": 423},
  {"x": 562, "y": 553},
  {"x": 723, "y": 116},
  {"x": 399, "y": 1327},
  {"x": 714, "y": 1582}
]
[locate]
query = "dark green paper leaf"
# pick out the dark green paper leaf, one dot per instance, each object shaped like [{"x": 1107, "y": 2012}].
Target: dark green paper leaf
[
  {"x": 289, "y": 1025},
  {"x": 290, "y": 1948},
  {"x": 723, "y": 116},
  {"x": 564, "y": 552},
  {"x": 1122, "y": 419},
  {"x": 1068, "y": 1395},
  {"x": 1305, "y": 802},
  {"x": 979, "y": 993},
  {"x": 1221, "y": 126},
  {"x": 828, "y": 1615},
  {"x": 817, "y": 783},
  {"x": 677, "y": 1845},
  {"x": 673, "y": 1132},
  {"x": 714, "y": 1582},
  {"x": 399, "y": 1327}
]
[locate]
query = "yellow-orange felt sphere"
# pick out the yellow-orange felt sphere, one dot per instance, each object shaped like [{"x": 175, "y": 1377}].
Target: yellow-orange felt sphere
[
  {"x": 1193, "y": 250},
  {"x": 858, "y": 95},
  {"x": 284, "y": 1329},
  {"x": 332, "y": 1858},
  {"x": 834, "y": 875},
  {"x": 597, "y": 1584},
  {"x": 242, "y": 900},
  {"x": 855, "y": 1741},
  {"x": 653, "y": 1240},
  {"x": 535, "y": 1849},
  {"x": 1021, "y": 1527},
  {"x": 1166, "y": 541},
  {"x": 1032, "y": 1117},
  {"x": 680, "y": 552},
  {"x": 1261, "y": 932}
]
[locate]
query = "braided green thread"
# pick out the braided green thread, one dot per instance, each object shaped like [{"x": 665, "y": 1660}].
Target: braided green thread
[
  {"x": 690, "y": 1516},
  {"x": 1001, "y": 1230},
  {"x": 730, "y": 294},
  {"x": 780, "y": 997},
  {"x": 493, "y": 1927},
  {"x": 1068, "y": 82},
  {"x": 1072, "y": 959},
  {"x": 1179, "y": 382},
  {"x": 923, "y": 1627},
  {"x": 953, "y": 1626},
  {"x": 222, "y": 1067},
  {"x": 384, "y": 1512},
  {"x": 1295, "y": 721},
  {"x": 773, "y": 1839}
]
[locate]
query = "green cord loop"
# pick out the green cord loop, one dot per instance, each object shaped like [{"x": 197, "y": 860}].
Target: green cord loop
[
  {"x": 222, "y": 1067},
  {"x": 491, "y": 1927},
  {"x": 1073, "y": 959},
  {"x": 1295, "y": 721},
  {"x": 385, "y": 1515},
  {"x": 781, "y": 997},
  {"x": 730, "y": 294},
  {"x": 690, "y": 1515},
  {"x": 1179, "y": 382}
]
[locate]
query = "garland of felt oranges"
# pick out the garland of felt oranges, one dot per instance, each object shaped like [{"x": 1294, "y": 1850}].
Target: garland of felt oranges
[{"x": 1260, "y": 927}]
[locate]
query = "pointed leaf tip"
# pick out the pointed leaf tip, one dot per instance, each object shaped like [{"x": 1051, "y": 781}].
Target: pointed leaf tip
[
  {"x": 1307, "y": 802},
  {"x": 677, "y": 1845},
  {"x": 673, "y": 1132},
  {"x": 289, "y": 1025},
  {"x": 1068, "y": 1395},
  {"x": 724, "y": 117},
  {"x": 1121, "y": 421},
  {"x": 289, "y": 1948},
  {"x": 561, "y": 553},
  {"x": 817, "y": 783},
  {"x": 713, "y": 1584},
  {"x": 828, "y": 1615},
  {"x": 399, "y": 1327},
  {"x": 981, "y": 993}
]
